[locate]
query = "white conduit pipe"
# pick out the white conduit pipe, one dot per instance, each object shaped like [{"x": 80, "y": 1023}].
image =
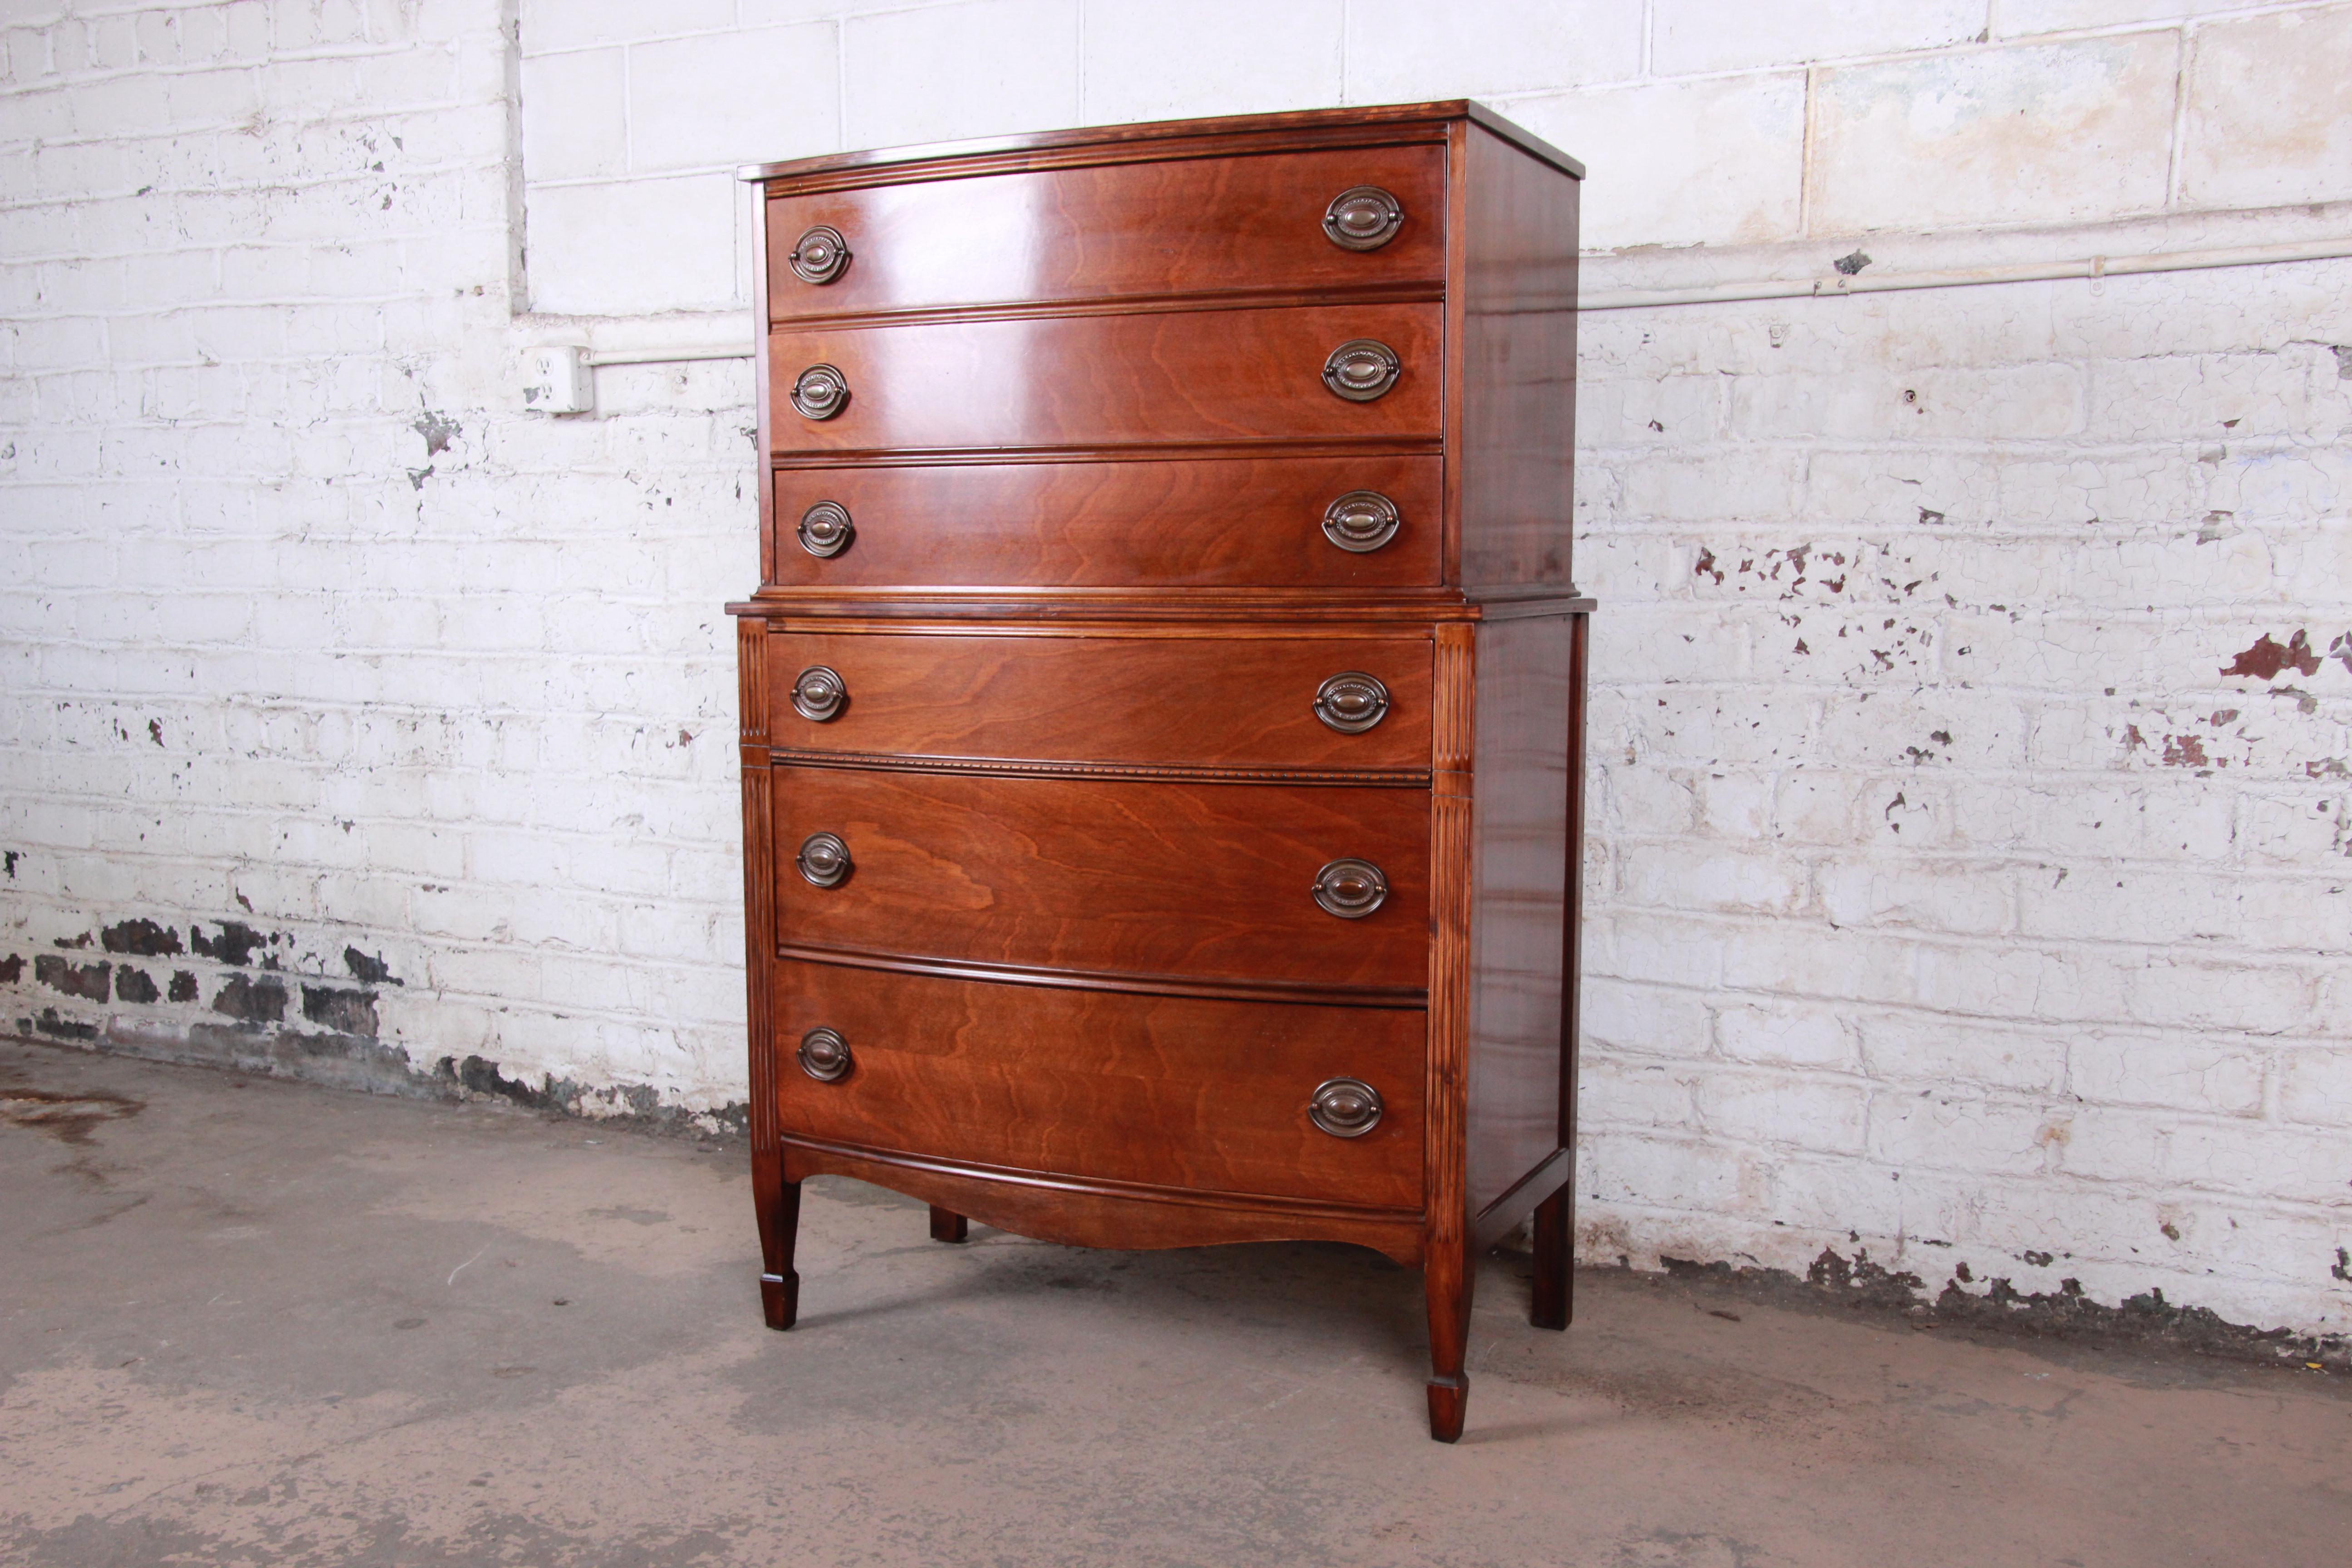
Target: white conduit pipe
[
  {"x": 1960, "y": 278},
  {"x": 1801, "y": 289}
]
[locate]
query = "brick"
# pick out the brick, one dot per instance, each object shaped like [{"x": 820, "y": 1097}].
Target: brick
[
  {"x": 1212, "y": 56},
  {"x": 1950, "y": 1131},
  {"x": 606, "y": 265},
  {"x": 1725, "y": 34},
  {"x": 673, "y": 83},
  {"x": 1402, "y": 52},
  {"x": 2315, "y": 1084},
  {"x": 2261, "y": 128},
  {"x": 2215, "y": 1076},
  {"x": 2046, "y": 133},
  {"x": 987, "y": 67},
  {"x": 1921, "y": 1051},
  {"x": 1825, "y": 1115},
  {"x": 1787, "y": 1034},
  {"x": 1718, "y": 162},
  {"x": 575, "y": 115},
  {"x": 1961, "y": 897}
]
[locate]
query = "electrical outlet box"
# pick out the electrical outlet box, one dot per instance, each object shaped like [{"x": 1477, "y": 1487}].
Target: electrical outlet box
[{"x": 555, "y": 380}]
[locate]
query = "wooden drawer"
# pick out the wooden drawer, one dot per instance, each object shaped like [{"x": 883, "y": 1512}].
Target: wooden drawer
[
  {"x": 1232, "y": 701},
  {"x": 1179, "y": 227},
  {"x": 1206, "y": 1095},
  {"x": 1206, "y": 881},
  {"x": 1099, "y": 381},
  {"x": 1206, "y": 523}
]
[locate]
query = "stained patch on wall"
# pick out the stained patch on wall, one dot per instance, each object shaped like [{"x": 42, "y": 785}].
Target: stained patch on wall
[
  {"x": 346, "y": 1012},
  {"x": 134, "y": 985},
  {"x": 144, "y": 938},
  {"x": 2268, "y": 657},
  {"x": 234, "y": 946},
  {"x": 259, "y": 1001},
  {"x": 87, "y": 981}
]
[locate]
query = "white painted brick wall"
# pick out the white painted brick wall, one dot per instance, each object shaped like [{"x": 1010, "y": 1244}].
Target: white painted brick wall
[{"x": 1946, "y": 899}]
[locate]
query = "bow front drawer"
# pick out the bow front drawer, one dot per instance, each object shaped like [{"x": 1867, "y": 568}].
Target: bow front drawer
[
  {"x": 1299, "y": 701},
  {"x": 1169, "y": 1092},
  {"x": 1325, "y": 888},
  {"x": 1311, "y": 373},
  {"x": 1346, "y": 217}
]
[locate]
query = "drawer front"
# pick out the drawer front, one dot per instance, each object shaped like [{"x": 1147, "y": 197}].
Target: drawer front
[
  {"x": 1167, "y": 1091},
  {"x": 1239, "y": 703},
  {"x": 1204, "y": 523},
  {"x": 1096, "y": 381},
  {"x": 1205, "y": 881},
  {"x": 1184, "y": 227}
]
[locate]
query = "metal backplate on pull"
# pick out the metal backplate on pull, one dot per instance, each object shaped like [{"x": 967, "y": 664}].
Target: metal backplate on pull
[
  {"x": 1345, "y": 1106},
  {"x": 1358, "y": 370},
  {"x": 824, "y": 529},
  {"x": 819, "y": 255},
  {"x": 1361, "y": 521},
  {"x": 1350, "y": 889},
  {"x": 824, "y": 1056},
  {"x": 1363, "y": 218},
  {"x": 823, "y": 859},
  {"x": 819, "y": 693},
  {"x": 1351, "y": 701},
  {"x": 821, "y": 392}
]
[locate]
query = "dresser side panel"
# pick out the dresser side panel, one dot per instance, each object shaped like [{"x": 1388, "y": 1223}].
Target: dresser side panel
[
  {"x": 1515, "y": 453},
  {"x": 1520, "y": 851}
]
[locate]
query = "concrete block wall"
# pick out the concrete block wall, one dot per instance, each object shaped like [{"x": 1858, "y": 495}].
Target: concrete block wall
[{"x": 1968, "y": 875}]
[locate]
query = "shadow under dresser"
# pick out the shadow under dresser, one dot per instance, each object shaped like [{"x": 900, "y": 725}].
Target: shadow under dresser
[{"x": 1164, "y": 705}]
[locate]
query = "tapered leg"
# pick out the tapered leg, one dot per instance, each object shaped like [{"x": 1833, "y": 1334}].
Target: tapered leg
[
  {"x": 1448, "y": 1276},
  {"x": 779, "y": 1204},
  {"x": 947, "y": 1225},
  {"x": 1555, "y": 1278}
]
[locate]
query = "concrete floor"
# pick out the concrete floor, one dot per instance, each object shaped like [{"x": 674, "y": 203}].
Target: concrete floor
[{"x": 245, "y": 1321}]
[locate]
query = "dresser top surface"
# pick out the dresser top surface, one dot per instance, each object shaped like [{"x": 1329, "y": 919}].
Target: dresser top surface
[{"x": 1374, "y": 116}]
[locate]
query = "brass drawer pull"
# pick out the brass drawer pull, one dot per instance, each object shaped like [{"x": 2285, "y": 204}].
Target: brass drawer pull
[
  {"x": 1360, "y": 522},
  {"x": 823, "y": 859},
  {"x": 819, "y": 693},
  {"x": 1349, "y": 888},
  {"x": 1351, "y": 701},
  {"x": 824, "y": 529},
  {"x": 819, "y": 255},
  {"x": 1358, "y": 370},
  {"x": 822, "y": 392},
  {"x": 1363, "y": 218},
  {"x": 824, "y": 1056},
  {"x": 1343, "y": 1107}
]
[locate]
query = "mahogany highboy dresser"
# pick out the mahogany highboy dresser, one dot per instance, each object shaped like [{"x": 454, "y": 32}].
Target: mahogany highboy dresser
[{"x": 1164, "y": 705}]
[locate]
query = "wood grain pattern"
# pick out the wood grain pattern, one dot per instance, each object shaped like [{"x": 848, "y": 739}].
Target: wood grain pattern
[
  {"x": 1165, "y": 1092},
  {"x": 1100, "y": 230},
  {"x": 776, "y": 1205},
  {"x": 1214, "y": 701},
  {"x": 1205, "y": 880},
  {"x": 1078, "y": 1213},
  {"x": 1515, "y": 453},
  {"x": 1519, "y": 847},
  {"x": 1450, "y": 1266},
  {"x": 1095, "y": 381},
  {"x": 1204, "y": 522}
]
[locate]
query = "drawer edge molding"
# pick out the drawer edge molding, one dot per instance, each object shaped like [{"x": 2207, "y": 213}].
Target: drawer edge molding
[
  {"x": 1142, "y": 772},
  {"x": 1192, "y": 1197},
  {"x": 1417, "y": 292},
  {"x": 1399, "y": 998}
]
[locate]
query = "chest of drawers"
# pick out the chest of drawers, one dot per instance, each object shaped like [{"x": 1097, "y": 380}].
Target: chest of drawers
[{"x": 1164, "y": 705}]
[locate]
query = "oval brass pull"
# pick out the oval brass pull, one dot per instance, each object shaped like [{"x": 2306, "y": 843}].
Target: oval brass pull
[
  {"x": 823, "y": 859},
  {"x": 1358, "y": 370},
  {"x": 1350, "y": 889},
  {"x": 819, "y": 255},
  {"x": 824, "y": 1056},
  {"x": 822, "y": 392},
  {"x": 824, "y": 529},
  {"x": 819, "y": 693},
  {"x": 1363, "y": 218},
  {"x": 1343, "y": 1107},
  {"x": 1361, "y": 521},
  {"x": 1351, "y": 701}
]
